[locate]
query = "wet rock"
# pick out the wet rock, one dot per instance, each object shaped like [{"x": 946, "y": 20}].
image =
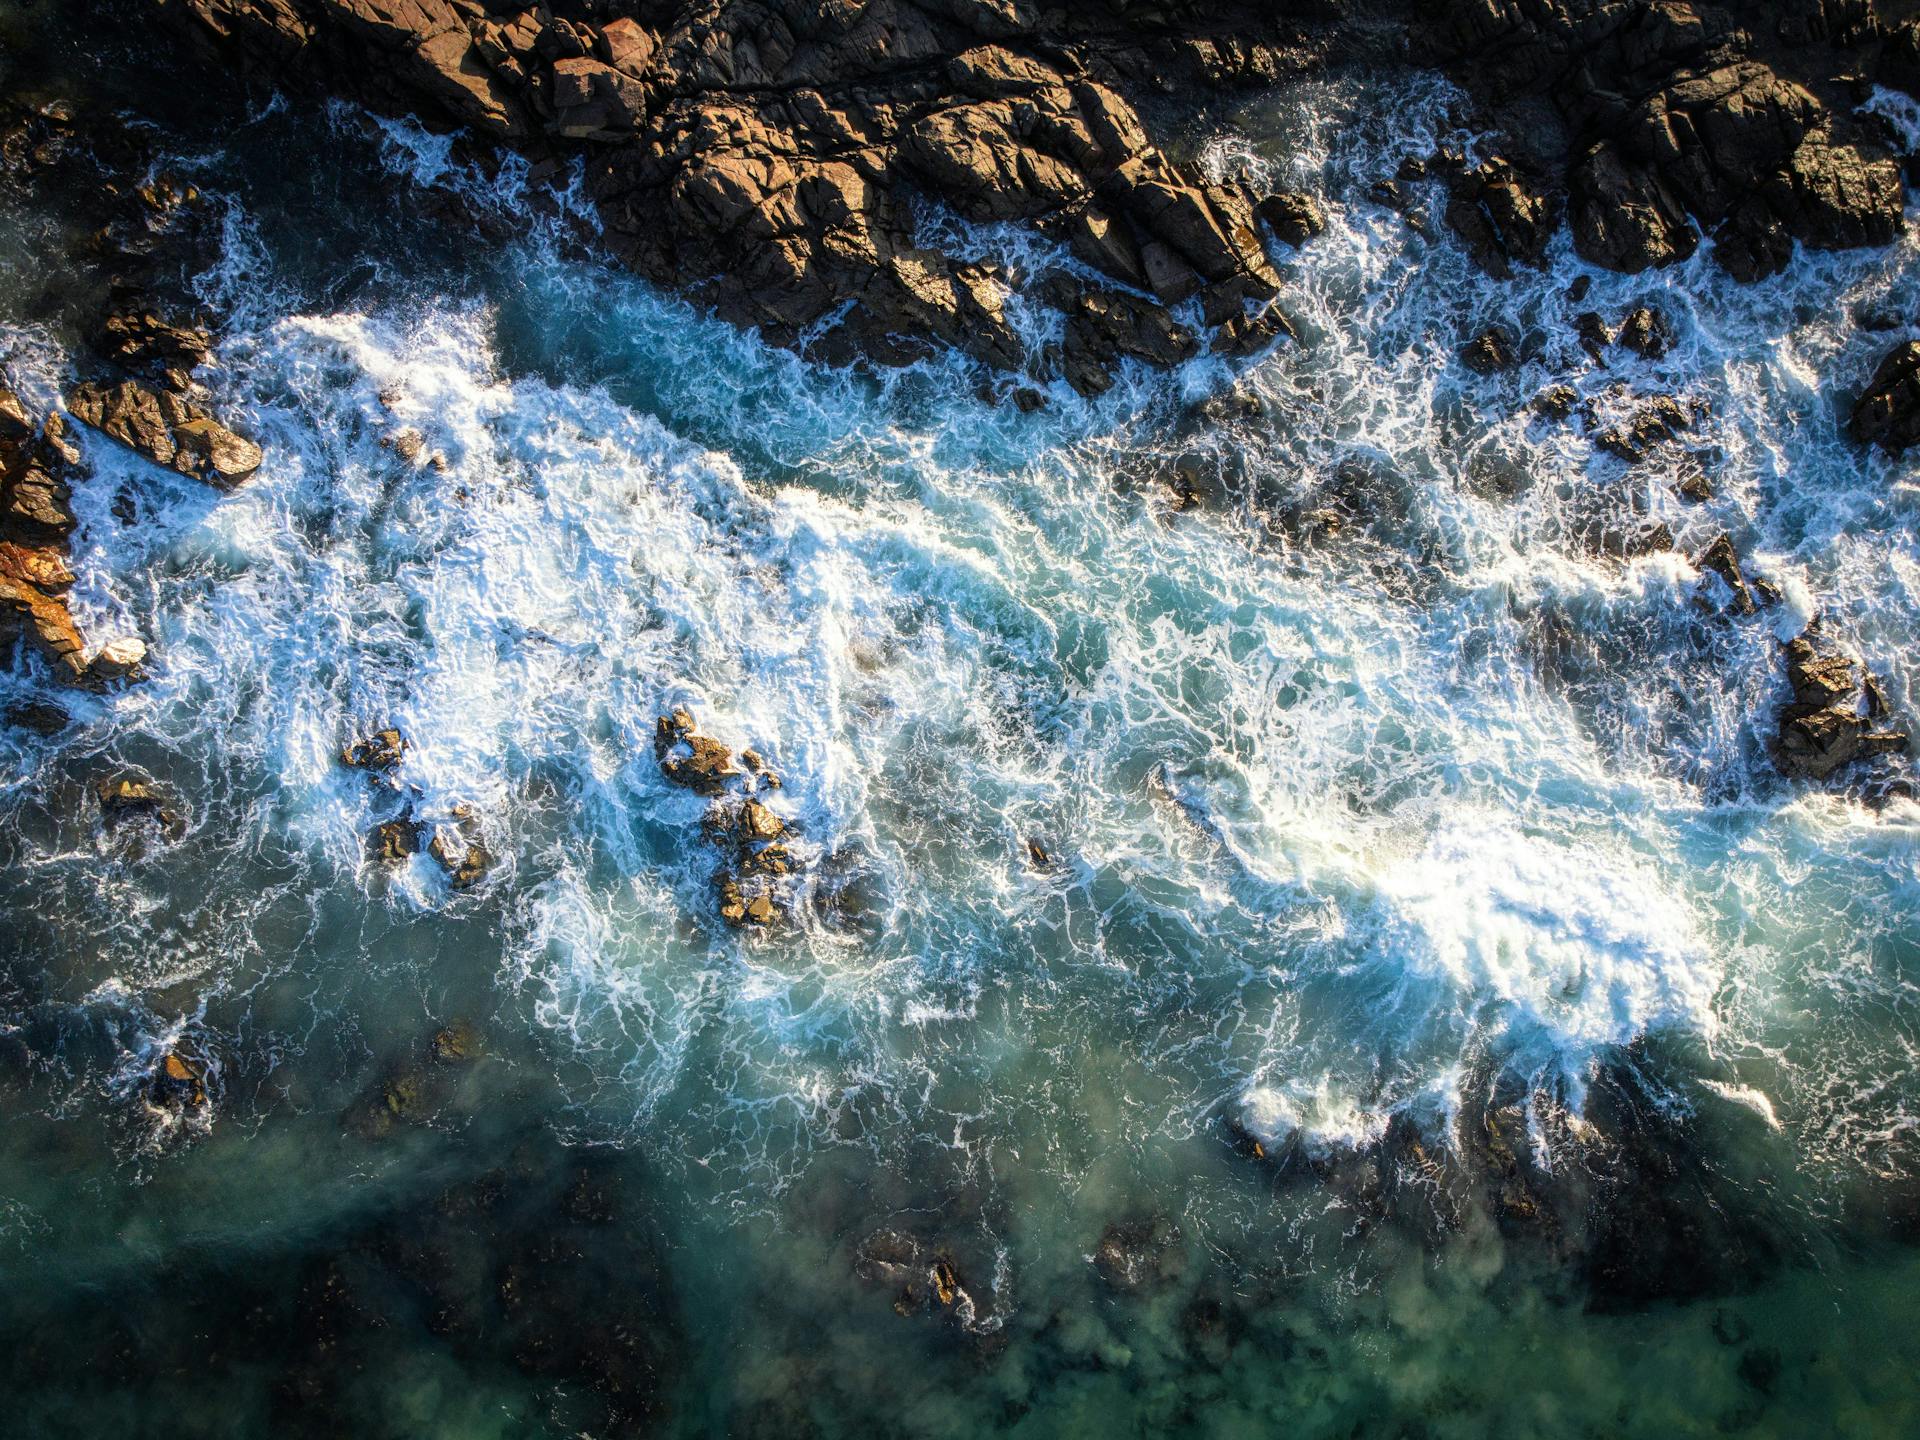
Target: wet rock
[
  {"x": 168, "y": 430},
  {"x": 923, "y": 1277},
  {"x": 30, "y": 611},
  {"x": 380, "y": 752},
  {"x": 689, "y": 758},
  {"x": 1292, "y": 217},
  {"x": 1651, "y": 424},
  {"x": 1596, "y": 336},
  {"x": 1888, "y": 412},
  {"x": 1490, "y": 352},
  {"x": 1832, "y": 720},
  {"x": 393, "y": 841},
  {"x": 1037, "y": 855},
  {"x": 36, "y": 716},
  {"x": 177, "y": 1084},
  {"x": 1722, "y": 562},
  {"x": 463, "y": 855},
  {"x": 129, "y": 797},
  {"x": 138, "y": 339},
  {"x": 122, "y": 659},
  {"x": 1647, "y": 333},
  {"x": 1556, "y": 402},
  {"x": 1502, "y": 216}
]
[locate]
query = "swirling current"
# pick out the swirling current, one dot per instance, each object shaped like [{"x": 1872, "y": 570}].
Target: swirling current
[{"x": 1290, "y": 930}]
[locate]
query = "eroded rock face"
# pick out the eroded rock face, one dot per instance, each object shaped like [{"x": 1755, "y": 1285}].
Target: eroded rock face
[
  {"x": 773, "y": 156},
  {"x": 167, "y": 429},
  {"x": 1678, "y": 127},
  {"x": 1888, "y": 413},
  {"x": 1835, "y": 714}
]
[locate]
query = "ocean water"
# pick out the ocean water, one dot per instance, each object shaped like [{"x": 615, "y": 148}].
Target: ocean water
[{"x": 1383, "y": 811}]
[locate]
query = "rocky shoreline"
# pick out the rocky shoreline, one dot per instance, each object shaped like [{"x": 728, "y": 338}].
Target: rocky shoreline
[{"x": 776, "y": 159}]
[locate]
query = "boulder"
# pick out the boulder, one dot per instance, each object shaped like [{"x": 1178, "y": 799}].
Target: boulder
[
  {"x": 1490, "y": 352},
  {"x": 167, "y": 430},
  {"x": 1502, "y": 216},
  {"x": 1293, "y": 218},
  {"x": 129, "y": 797},
  {"x": 689, "y": 758},
  {"x": 1887, "y": 413},
  {"x": 1831, "y": 721},
  {"x": 393, "y": 841}
]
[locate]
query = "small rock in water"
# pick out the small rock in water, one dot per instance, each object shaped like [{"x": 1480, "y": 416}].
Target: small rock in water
[
  {"x": 1556, "y": 402},
  {"x": 133, "y": 797},
  {"x": 177, "y": 1084},
  {"x": 1037, "y": 854},
  {"x": 379, "y": 752},
  {"x": 393, "y": 841},
  {"x": 689, "y": 758},
  {"x": 1490, "y": 352}
]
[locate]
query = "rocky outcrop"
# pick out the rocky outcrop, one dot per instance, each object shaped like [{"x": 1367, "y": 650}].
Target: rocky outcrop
[
  {"x": 776, "y": 157},
  {"x": 752, "y": 885},
  {"x": 1834, "y": 718},
  {"x": 1678, "y": 125},
  {"x": 36, "y": 519},
  {"x": 1888, "y": 412},
  {"x": 167, "y": 429}
]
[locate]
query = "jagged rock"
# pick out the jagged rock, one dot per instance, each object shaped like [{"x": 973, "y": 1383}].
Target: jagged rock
[
  {"x": 1556, "y": 402},
  {"x": 689, "y": 758},
  {"x": 26, "y": 609},
  {"x": 1292, "y": 217},
  {"x": 379, "y": 752},
  {"x": 394, "y": 840},
  {"x": 464, "y": 856},
  {"x": 1646, "y": 332},
  {"x": 1658, "y": 420},
  {"x": 133, "y": 797},
  {"x": 1830, "y": 722},
  {"x": 1503, "y": 217},
  {"x": 1490, "y": 352},
  {"x": 140, "y": 339},
  {"x": 1888, "y": 412},
  {"x": 167, "y": 430},
  {"x": 178, "y": 1084},
  {"x": 1720, "y": 559}
]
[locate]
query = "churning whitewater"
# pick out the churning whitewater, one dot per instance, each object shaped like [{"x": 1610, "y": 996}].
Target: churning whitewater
[{"x": 1189, "y": 799}]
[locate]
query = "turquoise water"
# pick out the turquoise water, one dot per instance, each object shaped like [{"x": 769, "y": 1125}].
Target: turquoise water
[{"x": 1396, "y": 847}]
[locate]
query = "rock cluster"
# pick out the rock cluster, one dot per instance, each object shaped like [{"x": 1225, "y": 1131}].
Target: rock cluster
[
  {"x": 751, "y": 839},
  {"x": 1678, "y": 125},
  {"x": 146, "y": 232},
  {"x": 775, "y": 157},
  {"x": 458, "y": 845},
  {"x": 1836, "y": 714}
]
